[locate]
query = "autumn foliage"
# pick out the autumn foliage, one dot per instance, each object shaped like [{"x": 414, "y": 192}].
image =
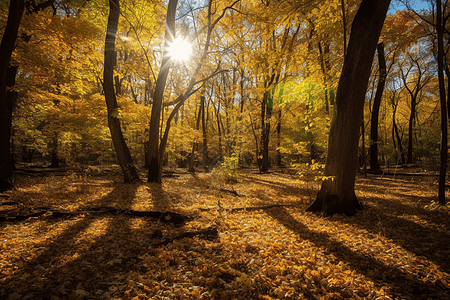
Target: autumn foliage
[
  {"x": 397, "y": 248},
  {"x": 237, "y": 147}
]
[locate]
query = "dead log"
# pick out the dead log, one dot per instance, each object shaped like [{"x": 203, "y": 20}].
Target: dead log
[
  {"x": 165, "y": 217},
  {"x": 249, "y": 208}
]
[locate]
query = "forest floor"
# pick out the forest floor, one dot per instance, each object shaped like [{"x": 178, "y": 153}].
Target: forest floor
[{"x": 397, "y": 248}]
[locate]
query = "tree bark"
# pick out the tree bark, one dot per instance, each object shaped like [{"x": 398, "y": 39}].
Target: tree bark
[
  {"x": 155, "y": 168},
  {"x": 205, "y": 159},
  {"x": 279, "y": 160},
  {"x": 374, "y": 164},
  {"x": 266, "y": 114},
  {"x": 337, "y": 195},
  {"x": 15, "y": 13},
  {"x": 219, "y": 129},
  {"x": 123, "y": 153},
  {"x": 396, "y": 136},
  {"x": 11, "y": 98},
  {"x": 442, "y": 97},
  {"x": 194, "y": 142},
  {"x": 344, "y": 26},
  {"x": 54, "y": 161},
  {"x": 410, "y": 130},
  {"x": 324, "y": 59}
]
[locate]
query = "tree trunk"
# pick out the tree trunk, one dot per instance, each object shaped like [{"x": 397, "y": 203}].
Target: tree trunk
[
  {"x": 410, "y": 129},
  {"x": 444, "y": 137},
  {"x": 16, "y": 9},
  {"x": 195, "y": 143},
  {"x": 396, "y": 136},
  {"x": 54, "y": 161},
  {"x": 155, "y": 168},
  {"x": 374, "y": 164},
  {"x": 337, "y": 195},
  {"x": 11, "y": 98},
  {"x": 266, "y": 114},
  {"x": 123, "y": 153},
  {"x": 279, "y": 160},
  {"x": 344, "y": 26},
  {"x": 219, "y": 131},
  {"x": 205, "y": 159},
  {"x": 325, "y": 66},
  {"x": 146, "y": 151},
  {"x": 414, "y": 93}
]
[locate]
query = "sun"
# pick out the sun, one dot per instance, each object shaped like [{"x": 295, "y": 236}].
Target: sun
[{"x": 180, "y": 49}]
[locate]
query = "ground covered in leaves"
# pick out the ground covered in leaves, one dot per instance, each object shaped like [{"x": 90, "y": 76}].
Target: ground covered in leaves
[{"x": 397, "y": 248}]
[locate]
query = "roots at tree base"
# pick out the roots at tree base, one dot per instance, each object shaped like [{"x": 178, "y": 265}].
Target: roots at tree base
[{"x": 331, "y": 204}]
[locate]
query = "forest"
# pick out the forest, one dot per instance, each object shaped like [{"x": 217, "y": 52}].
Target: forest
[{"x": 224, "y": 149}]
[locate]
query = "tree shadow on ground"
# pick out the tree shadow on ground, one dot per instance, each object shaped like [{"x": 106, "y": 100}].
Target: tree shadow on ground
[
  {"x": 407, "y": 230},
  {"x": 378, "y": 271},
  {"x": 67, "y": 260},
  {"x": 302, "y": 193},
  {"x": 399, "y": 211}
]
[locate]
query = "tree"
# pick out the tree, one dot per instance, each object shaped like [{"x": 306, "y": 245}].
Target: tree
[
  {"x": 337, "y": 194},
  {"x": 374, "y": 164},
  {"x": 444, "y": 135},
  {"x": 123, "y": 153},
  {"x": 156, "y": 145},
  {"x": 154, "y": 170},
  {"x": 16, "y": 8},
  {"x": 418, "y": 80}
]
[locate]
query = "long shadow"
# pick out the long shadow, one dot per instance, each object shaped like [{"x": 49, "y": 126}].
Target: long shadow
[
  {"x": 402, "y": 286},
  {"x": 282, "y": 189},
  {"x": 405, "y": 232},
  {"x": 65, "y": 264},
  {"x": 405, "y": 221}
]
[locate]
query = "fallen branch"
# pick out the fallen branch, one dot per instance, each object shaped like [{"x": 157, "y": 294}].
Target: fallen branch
[
  {"x": 233, "y": 192},
  {"x": 256, "y": 207},
  {"x": 233, "y": 209},
  {"x": 166, "y": 217}
]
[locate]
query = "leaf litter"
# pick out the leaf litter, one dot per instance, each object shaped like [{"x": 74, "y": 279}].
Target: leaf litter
[{"x": 397, "y": 248}]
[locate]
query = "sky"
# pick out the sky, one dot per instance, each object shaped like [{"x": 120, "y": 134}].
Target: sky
[{"x": 416, "y": 4}]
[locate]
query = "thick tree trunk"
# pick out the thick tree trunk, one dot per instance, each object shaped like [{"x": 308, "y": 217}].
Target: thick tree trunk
[
  {"x": 123, "y": 153},
  {"x": 337, "y": 194},
  {"x": 155, "y": 168},
  {"x": 16, "y": 9},
  {"x": 442, "y": 96},
  {"x": 374, "y": 164}
]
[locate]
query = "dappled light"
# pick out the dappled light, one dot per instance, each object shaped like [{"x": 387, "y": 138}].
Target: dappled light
[
  {"x": 279, "y": 251},
  {"x": 223, "y": 150}
]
